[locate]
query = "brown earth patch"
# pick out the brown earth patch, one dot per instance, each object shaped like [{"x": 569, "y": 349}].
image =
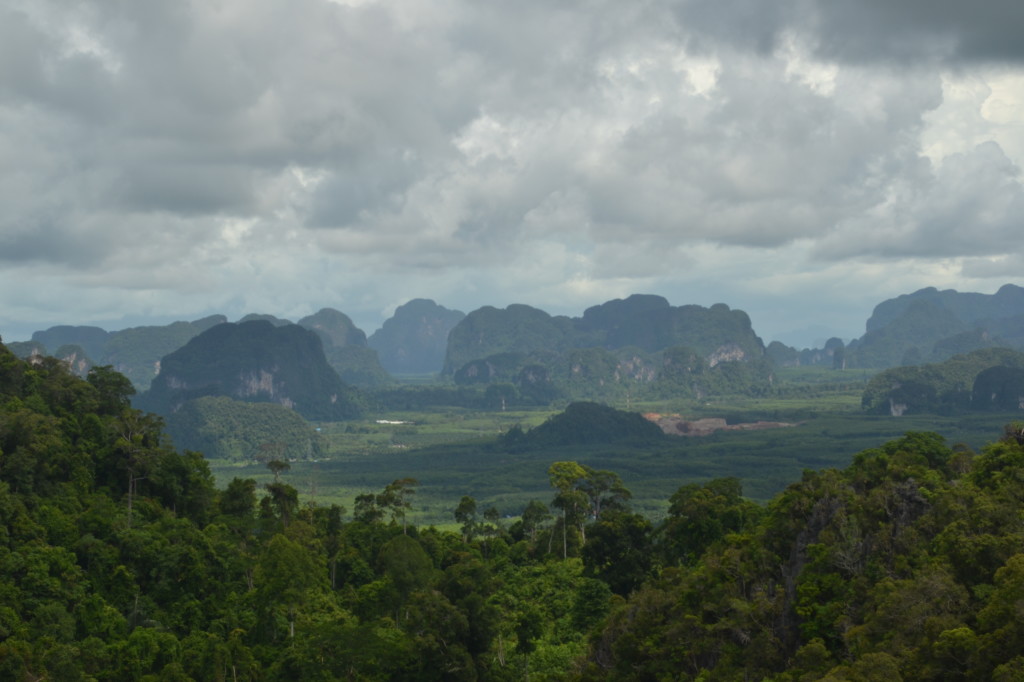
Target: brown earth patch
[{"x": 675, "y": 425}]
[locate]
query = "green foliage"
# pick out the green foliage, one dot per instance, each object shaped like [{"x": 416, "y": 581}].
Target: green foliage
[
  {"x": 234, "y": 430},
  {"x": 136, "y": 352},
  {"x": 701, "y": 515},
  {"x": 902, "y": 566},
  {"x": 932, "y": 326},
  {"x": 119, "y": 560},
  {"x": 640, "y": 347},
  {"x": 518, "y": 328},
  {"x": 946, "y": 387},
  {"x": 257, "y": 362},
  {"x": 585, "y": 423}
]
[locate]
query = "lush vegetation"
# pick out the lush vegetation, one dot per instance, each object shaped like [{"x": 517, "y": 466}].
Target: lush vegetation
[
  {"x": 640, "y": 344},
  {"x": 254, "y": 361},
  {"x": 930, "y": 326},
  {"x": 122, "y": 561},
  {"x": 235, "y": 430},
  {"x": 136, "y": 352},
  {"x": 949, "y": 387},
  {"x": 906, "y": 565}
]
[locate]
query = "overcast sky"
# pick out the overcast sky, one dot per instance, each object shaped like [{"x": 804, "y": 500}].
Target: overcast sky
[{"x": 798, "y": 159}]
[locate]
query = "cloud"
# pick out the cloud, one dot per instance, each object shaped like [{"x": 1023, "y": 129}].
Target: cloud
[
  {"x": 181, "y": 156},
  {"x": 871, "y": 31}
]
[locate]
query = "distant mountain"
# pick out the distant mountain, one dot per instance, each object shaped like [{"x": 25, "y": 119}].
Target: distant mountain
[
  {"x": 272, "y": 319},
  {"x": 930, "y": 326},
  {"x": 334, "y": 327},
  {"x": 415, "y": 339},
  {"x": 518, "y": 328},
  {"x": 75, "y": 357},
  {"x": 136, "y": 351},
  {"x": 967, "y": 307},
  {"x": 26, "y": 349},
  {"x": 620, "y": 347},
  {"x": 256, "y": 362},
  {"x": 92, "y": 340},
  {"x": 832, "y": 355},
  {"x": 614, "y": 318},
  {"x": 346, "y": 349}
]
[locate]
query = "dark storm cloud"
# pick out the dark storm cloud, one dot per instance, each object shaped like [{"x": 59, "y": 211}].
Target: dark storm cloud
[
  {"x": 908, "y": 30},
  {"x": 904, "y": 31}
]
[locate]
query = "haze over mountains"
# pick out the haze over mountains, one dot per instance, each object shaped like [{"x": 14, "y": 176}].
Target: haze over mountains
[{"x": 638, "y": 345}]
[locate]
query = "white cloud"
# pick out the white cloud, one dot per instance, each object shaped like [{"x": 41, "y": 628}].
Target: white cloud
[{"x": 176, "y": 157}]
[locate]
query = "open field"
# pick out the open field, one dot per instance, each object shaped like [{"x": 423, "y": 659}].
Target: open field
[{"x": 453, "y": 452}]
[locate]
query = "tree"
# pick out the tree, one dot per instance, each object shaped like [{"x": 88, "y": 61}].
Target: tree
[
  {"x": 535, "y": 514},
  {"x": 277, "y": 466},
  {"x": 138, "y": 443},
  {"x": 395, "y": 498},
  {"x": 239, "y": 499},
  {"x": 283, "y": 499},
  {"x": 604, "y": 490},
  {"x": 465, "y": 514},
  {"x": 700, "y": 515},
  {"x": 287, "y": 575},
  {"x": 565, "y": 478},
  {"x": 618, "y": 551},
  {"x": 114, "y": 389}
]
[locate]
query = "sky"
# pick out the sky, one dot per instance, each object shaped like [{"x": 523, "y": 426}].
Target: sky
[{"x": 801, "y": 160}]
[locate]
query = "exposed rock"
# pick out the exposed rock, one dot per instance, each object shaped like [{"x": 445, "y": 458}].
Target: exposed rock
[{"x": 675, "y": 425}]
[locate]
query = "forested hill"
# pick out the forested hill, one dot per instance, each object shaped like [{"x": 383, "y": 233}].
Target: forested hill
[
  {"x": 930, "y": 326},
  {"x": 258, "y": 362},
  {"x": 639, "y": 346},
  {"x": 121, "y": 561},
  {"x": 981, "y": 381},
  {"x": 644, "y": 322}
]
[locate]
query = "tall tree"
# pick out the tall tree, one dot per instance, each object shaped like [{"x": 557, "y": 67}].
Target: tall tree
[{"x": 565, "y": 478}]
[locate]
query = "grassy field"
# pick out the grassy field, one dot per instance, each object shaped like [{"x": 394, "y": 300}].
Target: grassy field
[{"x": 453, "y": 452}]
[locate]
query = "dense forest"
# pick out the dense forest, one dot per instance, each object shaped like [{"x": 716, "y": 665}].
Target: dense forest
[{"x": 122, "y": 561}]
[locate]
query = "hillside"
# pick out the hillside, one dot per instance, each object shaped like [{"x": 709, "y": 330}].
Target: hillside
[
  {"x": 346, "y": 349},
  {"x": 518, "y": 328},
  {"x": 134, "y": 352},
  {"x": 621, "y": 348},
  {"x": 586, "y": 423},
  {"x": 257, "y": 362},
  {"x": 982, "y": 380},
  {"x": 930, "y": 326},
  {"x": 415, "y": 338},
  {"x": 236, "y": 430}
]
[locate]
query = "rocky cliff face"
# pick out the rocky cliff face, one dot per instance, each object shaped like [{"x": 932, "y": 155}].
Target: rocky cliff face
[
  {"x": 930, "y": 326},
  {"x": 415, "y": 338},
  {"x": 647, "y": 323},
  {"x": 256, "y": 362},
  {"x": 334, "y": 328},
  {"x": 346, "y": 349}
]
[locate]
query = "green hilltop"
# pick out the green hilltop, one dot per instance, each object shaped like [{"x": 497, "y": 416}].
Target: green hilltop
[{"x": 256, "y": 362}]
